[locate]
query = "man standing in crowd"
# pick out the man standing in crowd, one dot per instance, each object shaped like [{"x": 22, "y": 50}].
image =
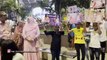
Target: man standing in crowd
[
  {"x": 103, "y": 38},
  {"x": 5, "y": 29},
  {"x": 56, "y": 42}
]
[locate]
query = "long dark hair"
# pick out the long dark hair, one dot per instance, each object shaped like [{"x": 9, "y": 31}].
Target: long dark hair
[{"x": 8, "y": 45}]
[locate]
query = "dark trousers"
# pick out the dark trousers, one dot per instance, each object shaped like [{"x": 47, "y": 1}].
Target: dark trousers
[
  {"x": 94, "y": 52},
  {"x": 103, "y": 50},
  {"x": 55, "y": 54},
  {"x": 81, "y": 47},
  {"x": 87, "y": 48}
]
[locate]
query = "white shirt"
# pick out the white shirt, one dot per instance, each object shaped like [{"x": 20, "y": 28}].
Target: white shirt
[
  {"x": 98, "y": 17},
  {"x": 18, "y": 56},
  {"x": 5, "y": 31},
  {"x": 94, "y": 40},
  {"x": 87, "y": 34},
  {"x": 103, "y": 29}
]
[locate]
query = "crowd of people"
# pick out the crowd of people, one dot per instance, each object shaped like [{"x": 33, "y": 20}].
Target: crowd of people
[{"x": 25, "y": 37}]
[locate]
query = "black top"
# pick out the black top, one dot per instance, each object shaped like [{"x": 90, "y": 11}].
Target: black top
[{"x": 56, "y": 38}]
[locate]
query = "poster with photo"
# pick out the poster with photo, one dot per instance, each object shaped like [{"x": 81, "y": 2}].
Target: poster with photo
[
  {"x": 72, "y": 18},
  {"x": 88, "y": 15},
  {"x": 52, "y": 18},
  {"x": 48, "y": 24},
  {"x": 74, "y": 14},
  {"x": 72, "y": 9},
  {"x": 92, "y": 15},
  {"x": 97, "y": 3}
]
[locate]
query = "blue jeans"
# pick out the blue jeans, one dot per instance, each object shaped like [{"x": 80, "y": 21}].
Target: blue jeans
[
  {"x": 94, "y": 52},
  {"x": 87, "y": 47},
  {"x": 103, "y": 50}
]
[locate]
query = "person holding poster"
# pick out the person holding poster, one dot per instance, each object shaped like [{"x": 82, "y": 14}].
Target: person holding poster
[
  {"x": 79, "y": 40},
  {"x": 103, "y": 38},
  {"x": 94, "y": 44},
  {"x": 56, "y": 42}
]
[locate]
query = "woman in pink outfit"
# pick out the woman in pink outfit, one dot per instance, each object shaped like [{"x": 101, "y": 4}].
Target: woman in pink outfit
[{"x": 30, "y": 34}]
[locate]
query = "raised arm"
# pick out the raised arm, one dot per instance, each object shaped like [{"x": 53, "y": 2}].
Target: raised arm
[
  {"x": 48, "y": 32},
  {"x": 99, "y": 31},
  {"x": 68, "y": 30},
  {"x": 84, "y": 27},
  {"x": 62, "y": 32},
  {"x": 61, "y": 28}
]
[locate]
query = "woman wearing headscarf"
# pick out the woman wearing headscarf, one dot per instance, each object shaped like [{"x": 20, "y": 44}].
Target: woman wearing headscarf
[{"x": 30, "y": 34}]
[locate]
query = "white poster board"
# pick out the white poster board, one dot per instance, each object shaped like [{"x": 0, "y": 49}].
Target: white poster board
[
  {"x": 97, "y": 3},
  {"x": 74, "y": 15},
  {"x": 94, "y": 15},
  {"x": 72, "y": 9},
  {"x": 72, "y": 18}
]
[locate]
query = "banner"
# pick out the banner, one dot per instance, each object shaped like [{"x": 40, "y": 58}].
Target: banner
[
  {"x": 93, "y": 15},
  {"x": 73, "y": 9},
  {"x": 74, "y": 14},
  {"x": 72, "y": 17},
  {"x": 54, "y": 20},
  {"x": 97, "y": 3}
]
